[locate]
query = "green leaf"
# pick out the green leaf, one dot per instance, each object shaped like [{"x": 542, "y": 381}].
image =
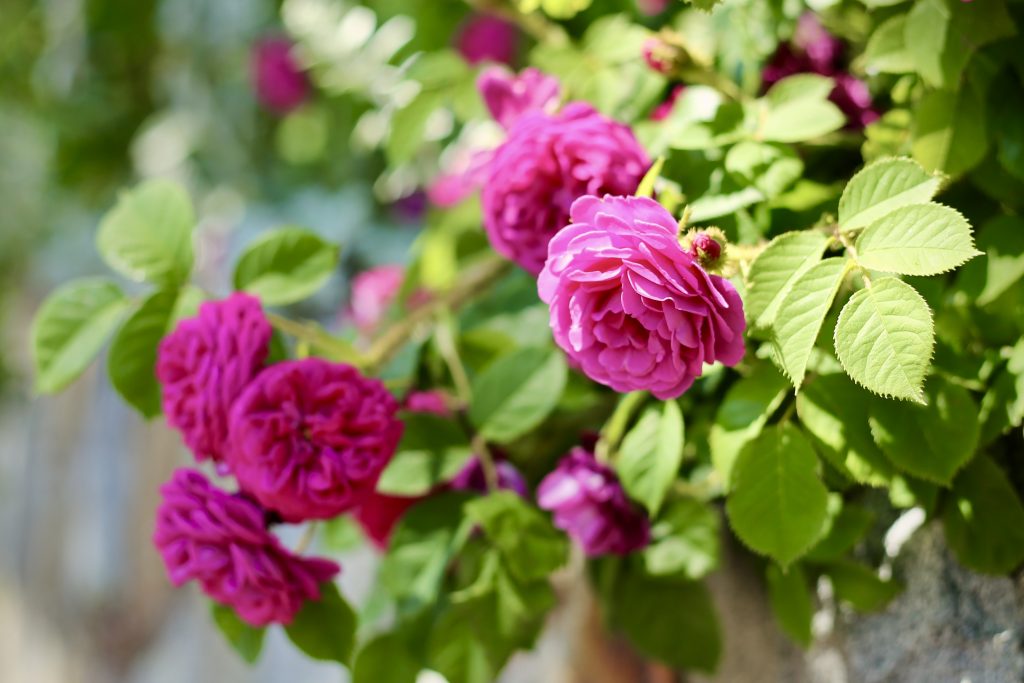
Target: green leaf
[
  {"x": 433, "y": 449},
  {"x": 650, "y": 455},
  {"x": 246, "y": 640},
  {"x": 1002, "y": 266},
  {"x": 131, "y": 361},
  {"x": 409, "y": 126},
  {"x": 557, "y": 9},
  {"x": 882, "y": 187},
  {"x": 669, "y": 620},
  {"x": 931, "y": 441},
  {"x": 791, "y": 603},
  {"x": 516, "y": 392},
  {"x": 834, "y": 411},
  {"x": 646, "y": 186},
  {"x": 884, "y": 339},
  {"x": 421, "y": 547},
  {"x": 684, "y": 541},
  {"x": 984, "y": 520},
  {"x": 776, "y": 269},
  {"x": 921, "y": 239},
  {"x": 148, "y": 234},
  {"x": 949, "y": 131},
  {"x": 861, "y": 586},
  {"x": 771, "y": 168},
  {"x": 385, "y": 659},
  {"x": 743, "y": 412},
  {"x": 530, "y": 546},
  {"x": 778, "y": 505},
  {"x": 285, "y": 265},
  {"x": 797, "y": 109},
  {"x": 941, "y": 36},
  {"x": 325, "y": 629},
  {"x": 848, "y": 527},
  {"x": 70, "y": 329},
  {"x": 802, "y": 313},
  {"x": 886, "y": 51}
]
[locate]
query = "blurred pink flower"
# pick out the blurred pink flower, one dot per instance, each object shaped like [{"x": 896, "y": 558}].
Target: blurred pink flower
[
  {"x": 279, "y": 81},
  {"x": 510, "y": 96},
  {"x": 652, "y": 7},
  {"x": 373, "y": 292},
  {"x": 590, "y": 505},
  {"x": 662, "y": 111},
  {"x": 221, "y": 541},
  {"x": 487, "y": 38}
]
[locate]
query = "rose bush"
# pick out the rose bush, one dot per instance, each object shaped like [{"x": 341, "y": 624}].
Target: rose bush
[{"x": 690, "y": 264}]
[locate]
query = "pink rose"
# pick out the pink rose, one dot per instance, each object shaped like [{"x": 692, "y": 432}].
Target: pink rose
[
  {"x": 509, "y": 96},
  {"x": 547, "y": 162},
  {"x": 309, "y": 438},
  {"x": 487, "y": 38},
  {"x": 221, "y": 541},
  {"x": 590, "y": 505},
  {"x": 278, "y": 80},
  {"x": 630, "y": 306},
  {"x": 205, "y": 363}
]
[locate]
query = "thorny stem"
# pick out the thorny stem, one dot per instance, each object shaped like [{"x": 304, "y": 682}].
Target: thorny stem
[
  {"x": 450, "y": 353},
  {"x": 478, "y": 279},
  {"x": 311, "y": 334}
]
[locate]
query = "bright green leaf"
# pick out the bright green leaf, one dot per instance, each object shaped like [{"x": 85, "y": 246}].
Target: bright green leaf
[
  {"x": 949, "y": 131},
  {"x": 848, "y": 527},
  {"x": 557, "y": 9},
  {"x": 882, "y": 187},
  {"x": 684, "y": 541},
  {"x": 801, "y": 314},
  {"x": 325, "y": 629},
  {"x": 886, "y": 51},
  {"x": 921, "y": 239},
  {"x": 1002, "y": 266},
  {"x": 246, "y": 640},
  {"x": 650, "y": 455},
  {"x": 148, "y": 234},
  {"x": 884, "y": 339},
  {"x": 531, "y": 547},
  {"x": 797, "y": 109},
  {"x": 433, "y": 449},
  {"x": 742, "y": 413},
  {"x": 285, "y": 265},
  {"x": 771, "y": 168},
  {"x": 931, "y": 441},
  {"x": 984, "y": 520},
  {"x": 131, "y": 361},
  {"x": 834, "y": 411},
  {"x": 775, "y": 269},
  {"x": 70, "y": 329},
  {"x": 516, "y": 392},
  {"x": 778, "y": 506}
]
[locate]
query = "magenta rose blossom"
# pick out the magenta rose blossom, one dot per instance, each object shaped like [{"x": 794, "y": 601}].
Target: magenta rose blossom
[
  {"x": 472, "y": 478},
  {"x": 590, "y": 505},
  {"x": 547, "y": 162},
  {"x": 487, "y": 38},
  {"x": 630, "y": 306},
  {"x": 205, "y": 363},
  {"x": 280, "y": 83},
  {"x": 221, "y": 541},
  {"x": 309, "y": 438}
]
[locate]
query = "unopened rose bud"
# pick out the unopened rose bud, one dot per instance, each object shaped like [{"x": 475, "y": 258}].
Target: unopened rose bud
[
  {"x": 706, "y": 246},
  {"x": 664, "y": 54}
]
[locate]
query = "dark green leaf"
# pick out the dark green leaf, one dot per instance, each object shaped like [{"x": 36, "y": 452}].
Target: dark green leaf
[
  {"x": 531, "y": 547},
  {"x": 516, "y": 392},
  {"x": 385, "y": 659},
  {"x": 325, "y": 628},
  {"x": 246, "y": 640},
  {"x": 790, "y": 598},
  {"x": 684, "y": 540},
  {"x": 432, "y": 451},
  {"x": 861, "y": 586}
]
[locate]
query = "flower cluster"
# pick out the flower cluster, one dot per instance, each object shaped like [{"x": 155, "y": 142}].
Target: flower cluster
[
  {"x": 279, "y": 82},
  {"x": 590, "y": 505},
  {"x": 306, "y": 439},
  {"x": 548, "y": 160},
  {"x": 814, "y": 50},
  {"x": 630, "y": 306}
]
